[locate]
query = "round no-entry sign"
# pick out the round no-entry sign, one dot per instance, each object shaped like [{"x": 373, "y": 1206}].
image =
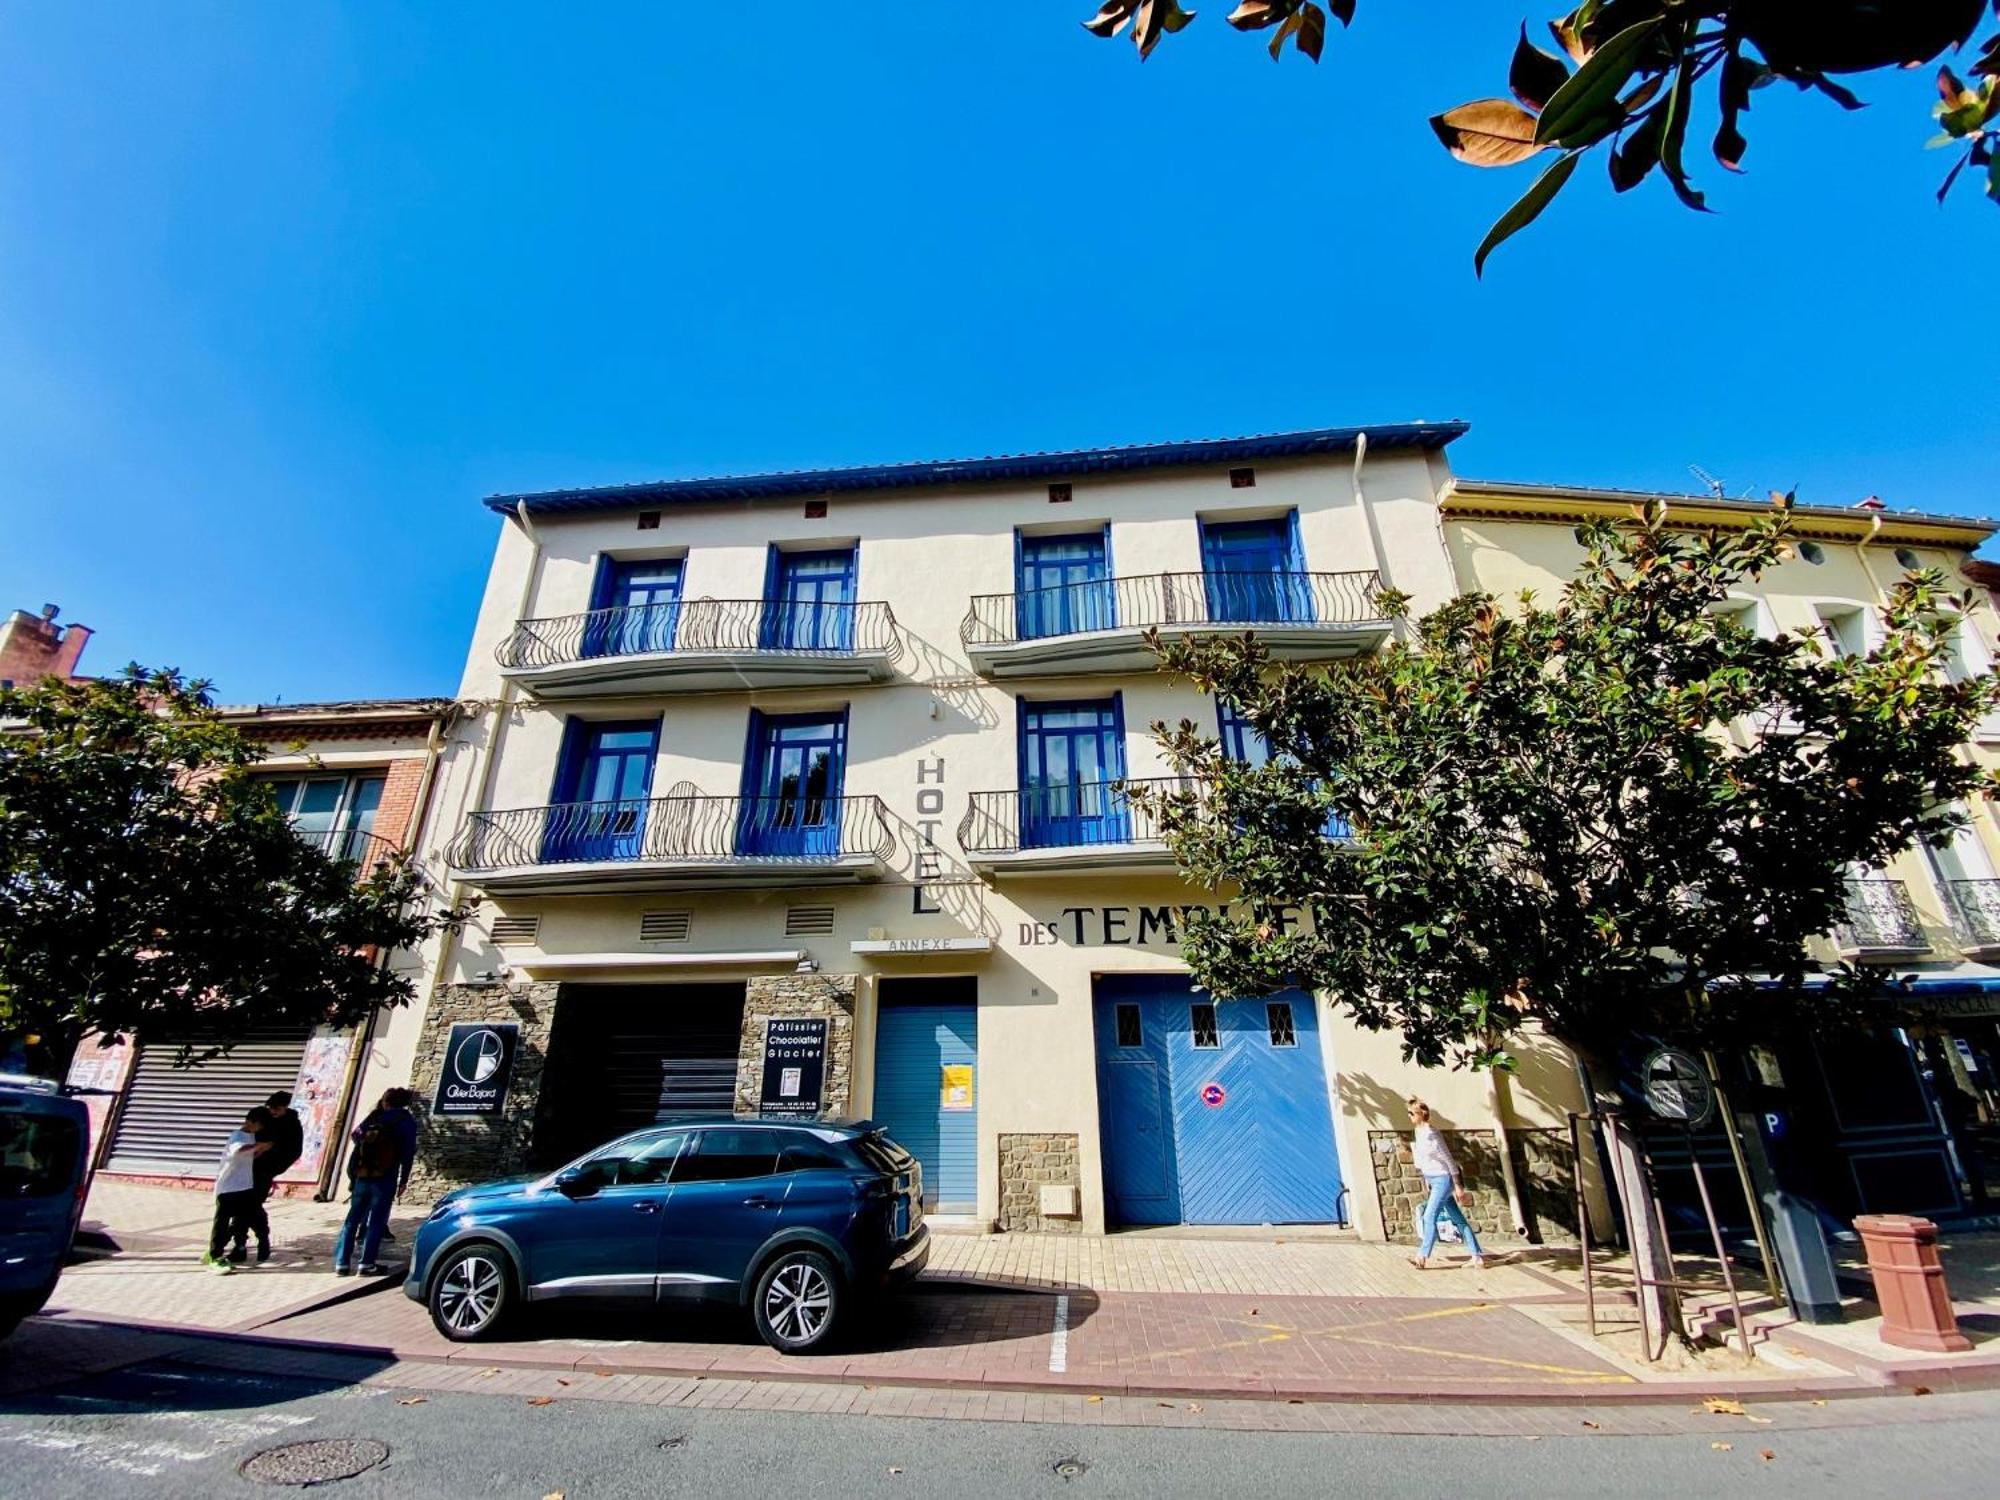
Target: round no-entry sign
[{"x": 1212, "y": 1095}]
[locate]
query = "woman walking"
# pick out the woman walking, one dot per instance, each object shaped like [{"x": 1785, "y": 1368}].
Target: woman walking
[{"x": 1447, "y": 1192}]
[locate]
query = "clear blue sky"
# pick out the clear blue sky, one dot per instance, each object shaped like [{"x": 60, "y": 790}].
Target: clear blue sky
[{"x": 286, "y": 289}]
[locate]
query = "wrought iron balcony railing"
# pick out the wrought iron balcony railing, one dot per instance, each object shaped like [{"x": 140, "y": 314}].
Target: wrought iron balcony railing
[
  {"x": 1978, "y": 903},
  {"x": 1880, "y": 915},
  {"x": 1061, "y": 816},
  {"x": 775, "y": 625},
  {"x": 677, "y": 830},
  {"x": 351, "y": 845},
  {"x": 1162, "y": 599}
]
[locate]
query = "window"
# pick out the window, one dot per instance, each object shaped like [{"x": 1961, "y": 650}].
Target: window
[
  {"x": 791, "y": 784},
  {"x": 804, "y": 1154},
  {"x": 810, "y": 601},
  {"x": 603, "y": 779},
  {"x": 1255, "y": 570},
  {"x": 731, "y": 1155},
  {"x": 1201, "y": 1020},
  {"x": 1278, "y": 1016},
  {"x": 1845, "y": 629},
  {"x": 38, "y": 1155},
  {"x": 1129, "y": 1034},
  {"x": 1072, "y": 754},
  {"x": 635, "y": 607},
  {"x": 1064, "y": 585},
  {"x": 1242, "y": 742},
  {"x": 638, "y": 1162},
  {"x": 335, "y": 812}
]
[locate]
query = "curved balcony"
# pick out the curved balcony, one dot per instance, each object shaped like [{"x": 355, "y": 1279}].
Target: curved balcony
[
  {"x": 1065, "y": 829},
  {"x": 1100, "y": 625},
  {"x": 1882, "y": 922},
  {"x": 675, "y": 841},
  {"x": 698, "y": 645},
  {"x": 365, "y": 851},
  {"x": 1978, "y": 906}
]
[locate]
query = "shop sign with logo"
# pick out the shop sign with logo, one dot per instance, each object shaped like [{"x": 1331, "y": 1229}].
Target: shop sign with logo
[
  {"x": 955, "y": 1086},
  {"x": 1677, "y": 1087},
  {"x": 478, "y": 1061},
  {"x": 794, "y": 1065}
]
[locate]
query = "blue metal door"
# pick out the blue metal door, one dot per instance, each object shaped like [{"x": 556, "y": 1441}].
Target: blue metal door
[
  {"x": 924, "y": 1027},
  {"x": 602, "y": 783},
  {"x": 791, "y": 788},
  {"x": 1250, "y": 1126},
  {"x": 1064, "y": 586},
  {"x": 1254, "y": 571},
  {"x": 1071, "y": 753},
  {"x": 637, "y": 608},
  {"x": 810, "y": 602}
]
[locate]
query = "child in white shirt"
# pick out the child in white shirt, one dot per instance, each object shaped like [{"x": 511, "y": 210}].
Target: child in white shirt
[{"x": 236, "y": 1195}]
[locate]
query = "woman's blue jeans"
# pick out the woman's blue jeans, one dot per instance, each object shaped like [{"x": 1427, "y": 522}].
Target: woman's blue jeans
[
  {"x": 1441, "y": 1204},
  {"x": 368, "y": 1204}
]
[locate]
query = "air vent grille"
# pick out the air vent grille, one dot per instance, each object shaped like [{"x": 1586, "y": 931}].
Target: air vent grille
[
  {"x": 518, "y": 929},
  {"x": 808, "y": 921},
  {"x": 664, "y": 926}
]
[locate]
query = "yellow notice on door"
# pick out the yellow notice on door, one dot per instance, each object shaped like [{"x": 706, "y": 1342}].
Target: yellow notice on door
[{"x": 955, "y": 1088}]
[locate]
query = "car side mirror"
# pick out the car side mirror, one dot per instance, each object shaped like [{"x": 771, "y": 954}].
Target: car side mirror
[{"x": 575, "y": 1182}]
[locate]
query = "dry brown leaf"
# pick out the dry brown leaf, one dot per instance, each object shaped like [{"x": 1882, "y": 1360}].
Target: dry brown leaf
[
  {"x": 1093, "y": 1398},
  {"x": 1766, "y": 1454},
  {"x": 561, "y": 1381},
  {"x": 1167, "y": 1404},
  {"x": 1722, "y": 1447},
  {"x": 541, "y": 1401},
  {"x": 1753, "y": 1417},
  {"x": 1591, "y": 1425},
  {"x": 1920, "y": 1390},
  {"x": 413, "y": 1400},
  {"x": 602, "y": 1374},
  {"x": 1194, "y": 1406},
  {"x": 1721, "y": 1406},
  {"x": 1819, "y": 1401},
  {"x": 553, "y": 1495},
  {"x": 489, "y": 1372},
  {"x": 894, "y": 1470}
]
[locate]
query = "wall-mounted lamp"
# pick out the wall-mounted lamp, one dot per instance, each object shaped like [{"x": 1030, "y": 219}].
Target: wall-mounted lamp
[{"x": 807, "y": 965}]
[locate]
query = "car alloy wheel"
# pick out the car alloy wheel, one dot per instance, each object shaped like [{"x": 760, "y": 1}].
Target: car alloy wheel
[
  {"x": 470, "y": 1294},
  {"x": 798, "y": 1302}
]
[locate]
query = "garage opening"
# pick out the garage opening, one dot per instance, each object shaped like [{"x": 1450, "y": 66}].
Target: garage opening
[
  {"x": 177, "y": 1111},
  {"x": 626, "y": 1056}
]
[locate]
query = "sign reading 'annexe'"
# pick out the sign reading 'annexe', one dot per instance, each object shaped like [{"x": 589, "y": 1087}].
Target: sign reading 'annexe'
[{"x": 1114, "y": 926}]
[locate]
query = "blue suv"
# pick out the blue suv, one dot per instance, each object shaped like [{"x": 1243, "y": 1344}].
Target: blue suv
[{"x": 791, "y": 1220}]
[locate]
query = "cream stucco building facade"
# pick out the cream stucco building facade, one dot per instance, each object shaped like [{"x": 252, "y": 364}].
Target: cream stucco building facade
[{"x": 829, "y": 756}]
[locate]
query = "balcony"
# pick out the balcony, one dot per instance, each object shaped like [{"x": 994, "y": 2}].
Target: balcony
[
  {"x": 668, "y": 842},
  {"x": 1977, "y": 903},
  {"x": 365, "y": 851},
  {"x": 1100, "y": 626},
  {"x": 698, "y": 645},
  {"x": 1064, "y": 830},
  {"x": 1882, "y": 922}
]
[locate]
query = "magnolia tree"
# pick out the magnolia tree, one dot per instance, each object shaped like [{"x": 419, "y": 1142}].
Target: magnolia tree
[
  {"x": 149, "y": 885},
  {"x": 1618, "y": 812},
  {"x": 1630, "y": 76}
]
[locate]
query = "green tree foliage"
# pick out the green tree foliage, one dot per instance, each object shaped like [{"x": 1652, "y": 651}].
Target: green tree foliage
[
  {"x": 1628, "y": 77},
  {"x": 149, "y": 885},
  {"x": 1615, "y": 813}
]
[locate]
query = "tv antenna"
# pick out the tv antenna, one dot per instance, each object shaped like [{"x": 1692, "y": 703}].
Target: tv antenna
[{"x": 1714, "y": 486}]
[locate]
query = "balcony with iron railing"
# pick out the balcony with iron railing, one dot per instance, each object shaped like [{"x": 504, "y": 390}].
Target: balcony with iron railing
[
  {"x": 1066, "y": 828},
  {"x": 663, "y": 842},
  {"x": 1977, "y": 906},
  {"x": 697, "y": 645},
  {"x": 1100, "y": 625},
  {"x": 366, "y": 851},
  {"x": 1882, "y": 922}
]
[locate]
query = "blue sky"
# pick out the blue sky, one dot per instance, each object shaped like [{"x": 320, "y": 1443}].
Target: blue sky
[{"x": 285, "y": 289}]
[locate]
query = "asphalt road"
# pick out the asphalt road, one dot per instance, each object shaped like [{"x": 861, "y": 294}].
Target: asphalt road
[{"x": 169, "y": 1430}]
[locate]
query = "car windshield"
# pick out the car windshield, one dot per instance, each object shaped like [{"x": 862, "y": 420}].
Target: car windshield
[{"x": 38, "y": 1155}]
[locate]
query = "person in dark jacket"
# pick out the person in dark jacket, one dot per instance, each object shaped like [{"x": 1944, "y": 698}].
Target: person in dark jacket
[{"x": 284, "y": 1140}]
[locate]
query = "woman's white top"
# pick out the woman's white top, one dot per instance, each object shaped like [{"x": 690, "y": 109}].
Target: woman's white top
[{"x": 1432, "y": 1156}]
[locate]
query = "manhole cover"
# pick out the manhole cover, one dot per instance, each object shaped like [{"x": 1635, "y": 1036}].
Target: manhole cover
[
  {"x": 1070, "y": 1468},
  {"x": 318, "y": 1462},
  {"x": 671, "y": 1444}
]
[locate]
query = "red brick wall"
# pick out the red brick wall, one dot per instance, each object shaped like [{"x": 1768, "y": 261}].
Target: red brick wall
[
  {"x": 395, "y": 817},
  {"x": 31, "y": 649}
]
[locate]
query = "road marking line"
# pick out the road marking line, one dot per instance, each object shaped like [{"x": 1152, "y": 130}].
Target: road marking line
[{"x": 1059, "y": 1339}]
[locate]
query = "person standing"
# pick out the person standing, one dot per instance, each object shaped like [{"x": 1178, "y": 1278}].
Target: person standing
[
  {"x": 371, "y": 1177},
  {"x": 235, "y": 1188},
  {"x": 283, "y": 1141},
  {"x": 1446, "y": 1200}
]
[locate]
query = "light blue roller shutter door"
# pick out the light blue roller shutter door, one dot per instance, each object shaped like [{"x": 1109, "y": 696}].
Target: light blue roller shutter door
[{"x": 913, "y": 1046}]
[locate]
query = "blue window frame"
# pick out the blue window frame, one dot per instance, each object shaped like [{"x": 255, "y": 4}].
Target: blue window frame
[
  {"x": 1063, "y": 584},
  {"x": 809, "y": 601},
  {"x": 1256, "y": 571},
  {"x": 635, "y": 606},
  {"x": 1244, "y": 743},
  {"x": 603, "y": 780},
  {"x": 792, "y": 777},
  {"x": 1071, "y": 753}
]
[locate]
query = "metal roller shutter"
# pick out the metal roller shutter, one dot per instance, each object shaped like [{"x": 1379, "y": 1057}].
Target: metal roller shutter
[
  {"x": 175, "y": 1119},
  {"x": 916, "y": 1039}
]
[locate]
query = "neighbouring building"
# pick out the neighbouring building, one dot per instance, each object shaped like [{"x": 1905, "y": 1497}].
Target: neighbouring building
[
  {"x": 794, "y": 792},
  {"x": 35, "y": 646},
  {"x": 1900, "y": 1119},
  {"x": 354, "y": 777}
]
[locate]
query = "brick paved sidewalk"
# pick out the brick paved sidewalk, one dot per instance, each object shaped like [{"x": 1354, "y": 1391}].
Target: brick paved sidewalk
[{"x": 139, "y": 1260}]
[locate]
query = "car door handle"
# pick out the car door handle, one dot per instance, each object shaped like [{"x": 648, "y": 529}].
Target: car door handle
[
  {"x": 649, "y": 1207},
  {"x": 759, "y": 1201}
]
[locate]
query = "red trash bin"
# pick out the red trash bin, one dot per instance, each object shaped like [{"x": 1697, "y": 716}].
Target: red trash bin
[{"x": 1909, "y": 1283}]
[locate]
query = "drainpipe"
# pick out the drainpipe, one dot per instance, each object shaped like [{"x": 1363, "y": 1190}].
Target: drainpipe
[{"x": 1368, "y": 513}]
